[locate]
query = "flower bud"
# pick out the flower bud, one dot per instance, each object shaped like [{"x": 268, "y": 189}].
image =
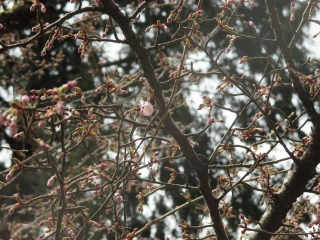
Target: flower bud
[{"x": 32, "y": 8}]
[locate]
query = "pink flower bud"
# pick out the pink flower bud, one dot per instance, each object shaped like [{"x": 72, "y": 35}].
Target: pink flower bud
[
  {"x": 13, "y": 128},
  {"x": 43, "y": 53},
  {"x": 166, "y": 29},
  {"x": 68, "y": 195},
  {"x": 43, "y": 145},
  {"x": 73, "y": 235},
  {"x": 103, "y": 166},
  {"x": 147, "y": 29},
  {"x": 32, "y": 8},
  {"x": 50, "y": 181},
  {"x": 41, "y": 124},
  {"x": 18, "y": 135},
  {"x": 60, "y": 108},
  {"x": 10, "y": 212},
  {"x": 25, "y": 100},
  {"x": 72, "y": 84},
  {"x": 90, "y": 112},
  {"x": 43, "y": 9},
  {"x": 1, "y": 26},
  {"x": 8, "y": 177},
  {"x": 83, "y": 99}
]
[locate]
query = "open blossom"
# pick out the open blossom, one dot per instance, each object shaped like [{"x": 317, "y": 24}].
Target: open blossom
[{"x": 146, "y": 109}]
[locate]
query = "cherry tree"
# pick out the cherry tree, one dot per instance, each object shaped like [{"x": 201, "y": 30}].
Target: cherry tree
[{"x": 127, "y": 127}]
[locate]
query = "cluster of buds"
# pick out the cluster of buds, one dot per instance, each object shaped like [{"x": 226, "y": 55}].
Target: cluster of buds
[
  {"x": 57, "y": 35},
  {"x": 175, "y": 149},
  {"x": 224, "y": 148},
  {"x": 174, "y": 15},
  {"x": 194, "y": 17},
  {"x": 208, "y": 102},
  {"x": 110, "y": 86},
  {"x": 293, "y": 11},
  {"x": 264, "y": 91},
  {"x": 11, "y": 210},
  {"x": 244, "y": 59},
  {"x": 173, "y": 174},
  {"x": 158, "y": 26},
  {"x": 117, "y": 226},
  {"x": 249, "y": 133},
  {"x": 83, "y": 49},
  {"x": 312, "y": 81},
  {"x": 163, "y": 58},
  {"x": 118, "y": 197},
  {"x": 316, "y": 209},
  {"x": 146, "y": 109},
  {"x": 38, "y": 5},
  {"x": 154, "y": 160},
  {"x": 278, "y": 80},
  {"x": 185, "y": 226},
  {"x": 87, "y": 127},
  {"x": 55, "y": 93},
  {"x": 10, "y": 117},
  {"x": 232, "y": 40},
  {"x": 140, "y": 198},
  {"x": 175, "y": 73},
  {"x": 15, "y": 167},
  {"x": 131, "y": 235},
  {"x": 70, "y": 226},
  {"x": 77, "y": 93},
  {"x": 300, "y": 148},
  {"x": 38, "y": 27},
  {"x": 188, "y": 42},
  {"x": 106, "y": 30},
  {"x": 186, "y": 196},
  {"x": 226, "y": 82},
  {"x": 57, "y": 110},
  {"x": 46, "y": 222},
  {"x": 244, "y": 223}
]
